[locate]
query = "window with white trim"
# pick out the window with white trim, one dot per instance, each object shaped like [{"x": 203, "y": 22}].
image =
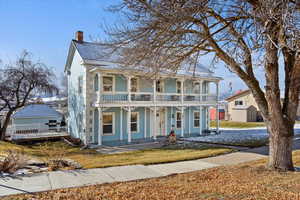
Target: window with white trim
[
  {"x": 196, "y": 87},
  {"x": 80, "y": 81},
  {"x": 134, "y": 85},
  {"x": 108, "y": 123},
  {"x": 159, "y": 86},
  {"x": 134, "y": 123},
  {"x": 108, "y": 83},
  {"x": 96, "y": 83},
  {"x": 196, "y": 119},
  {"x": 178, "y": 119},
  {"x": 238, "y": 103},
  {"x": 178, "y": 87}
]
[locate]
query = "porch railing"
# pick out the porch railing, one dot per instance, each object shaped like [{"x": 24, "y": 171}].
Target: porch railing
[{"x": 28, "y": 130}]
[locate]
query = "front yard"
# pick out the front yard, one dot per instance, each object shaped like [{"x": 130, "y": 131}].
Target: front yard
[
  {"x": 90, "y": 158},
  {"x": 248, "y": 181},
  {"x": 231, "y": 124}
]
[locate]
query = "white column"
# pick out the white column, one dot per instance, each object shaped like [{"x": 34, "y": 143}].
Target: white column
[
  {"x": 189, "y": 125},
  {"x": 150, "y": 123},
  {"x": 172, "y": 122},
  {"x": 100, "y": 126},
  {"x": 154, "y": 124},
  {"x": 182, "y": 92},
  {"x": 100, "y": 87},
  {"x": 207, "y": 118},
  {"x": 121, "y": 123},
  {"x": 129, "y": 88},
  {"x": 145, "y": 122},
  {"x": 200, "y": 117},
  {"x": 217, "y": 108},
  {"x": 200, "y": 91},
  {"x": 154, "y": 90},
  {"x": 129, "y": 124},
  {"x": 182, "y": 121}
]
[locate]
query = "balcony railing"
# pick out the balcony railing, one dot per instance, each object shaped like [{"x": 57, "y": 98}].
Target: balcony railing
[{"x": 123, "y": 97}]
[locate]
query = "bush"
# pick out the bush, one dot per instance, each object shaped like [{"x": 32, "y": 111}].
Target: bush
[{"x": 12, "y": 160}]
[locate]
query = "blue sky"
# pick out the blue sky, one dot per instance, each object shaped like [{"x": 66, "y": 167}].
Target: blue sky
[{"x": 45, "y": 28}]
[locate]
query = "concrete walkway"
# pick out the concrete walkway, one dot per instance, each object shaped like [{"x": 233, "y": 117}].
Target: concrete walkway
[{"x": 75, "y": 178}]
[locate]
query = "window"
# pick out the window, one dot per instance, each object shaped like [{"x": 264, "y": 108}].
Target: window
[
  {"x": 134, "y": 85},
  {"x": 52, "y": 123},
  {"x": 96, "y": 83},
  {"x": 80, "y": 80},
  {"x": 108, "y": 124},
  {"x": 196, "y": 88},
  {"x": 108, "y": 83},
  {"x": 134, "y": 124},
  {"x": 238, "y": 103},
  {"x": 178, "y": 87},
  {"x": 178, "y": 120},
  {"x": 196, "y": 119},
  {"x": 159, "y": 86}
]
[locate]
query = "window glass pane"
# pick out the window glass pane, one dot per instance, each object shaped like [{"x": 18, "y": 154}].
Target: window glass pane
[
  {"x": 107, "y": 88},
  {"x": 134, "y": 127},
  {"x": 107, "y": 119},
  {"x": 134, "y": 85},
  {"x": 178, "y": 116},
  {"x": 133, "y": 117},
  {"x": 196, "y": 88},
  {"x": 178, "y": 85},
  {"x": 108, "y": 80},
  {"x": 196, "y": 123},
  {"x": 107, "y": 129},
  {"x": 96, "y": 83},
  {"x": 178, "y": 124},
  {"x": 196, "y": 115}
]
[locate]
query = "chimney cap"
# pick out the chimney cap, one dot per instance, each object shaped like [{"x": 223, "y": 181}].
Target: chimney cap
[{"x": 79, "y": 36}]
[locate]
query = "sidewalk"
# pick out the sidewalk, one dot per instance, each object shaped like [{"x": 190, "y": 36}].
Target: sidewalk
[{"x": 75, "y": 178}]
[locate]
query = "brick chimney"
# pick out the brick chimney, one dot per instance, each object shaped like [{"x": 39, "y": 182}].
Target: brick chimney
[{"x": 79, "y": 36}]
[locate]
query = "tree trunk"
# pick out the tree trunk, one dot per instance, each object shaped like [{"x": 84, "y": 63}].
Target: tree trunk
[
  {"x": 5, "y": 125},
  {"x": 280, "y": 147}
]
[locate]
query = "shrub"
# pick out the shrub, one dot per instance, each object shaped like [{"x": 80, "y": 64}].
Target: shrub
[{"x": 12, "y": 160}]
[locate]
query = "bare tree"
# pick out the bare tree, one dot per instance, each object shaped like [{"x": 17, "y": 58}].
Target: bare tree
[
  {"x": 243, "y": 34},
  {"x": 19, "y": 83},
  {"x": 63, "y": 85}
]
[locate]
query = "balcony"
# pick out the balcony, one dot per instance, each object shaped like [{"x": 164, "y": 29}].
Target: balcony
[{"x": 148, "y": 98}]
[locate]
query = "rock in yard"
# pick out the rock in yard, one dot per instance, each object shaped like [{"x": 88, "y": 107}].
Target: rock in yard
[{"x": 61, "y": 163}]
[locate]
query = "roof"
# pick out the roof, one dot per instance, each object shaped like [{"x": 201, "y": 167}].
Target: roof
[
  {"x": 243, "y": 107},
  {"x": 94, "y": 54},
  {"x": 240, "y": 94},
  {"x": 36, "y": 111}
]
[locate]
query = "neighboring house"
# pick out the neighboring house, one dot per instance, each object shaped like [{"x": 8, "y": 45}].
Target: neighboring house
[
  {"x": 109, "y": 104},
  {"x": 58, "y": 103},
  {"x": 36, "y": 121},
  {"x": 243, "y": 108},
  {"x": 213, "y": 113}
]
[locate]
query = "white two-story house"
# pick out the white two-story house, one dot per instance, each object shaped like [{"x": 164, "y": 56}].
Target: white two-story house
[{"x": 109, "y": 104}]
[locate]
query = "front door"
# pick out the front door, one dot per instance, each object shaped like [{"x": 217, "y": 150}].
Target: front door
[{"x": 160, "y": 121}]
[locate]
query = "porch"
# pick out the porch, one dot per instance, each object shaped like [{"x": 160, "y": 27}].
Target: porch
[
  {"x": 115, "y": 126},
  {"x": 34, "y": 132}
]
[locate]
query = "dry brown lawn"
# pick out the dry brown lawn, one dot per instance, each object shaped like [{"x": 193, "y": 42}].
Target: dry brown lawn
[
  {"x": 251, "y": 181},
  {"x": 89, "y": 158}
]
